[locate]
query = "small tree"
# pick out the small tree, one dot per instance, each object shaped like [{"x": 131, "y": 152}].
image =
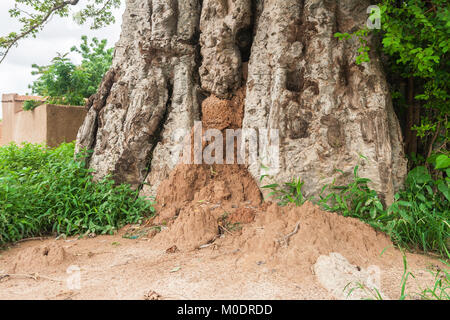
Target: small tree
[{"x": 63, "y": 82}]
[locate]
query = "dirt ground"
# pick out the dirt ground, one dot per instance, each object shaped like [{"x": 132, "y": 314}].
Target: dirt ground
[{"x": 315, "y": 261}]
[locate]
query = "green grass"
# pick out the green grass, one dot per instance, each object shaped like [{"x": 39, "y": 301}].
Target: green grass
[
  {"x": 420, "y": 214},
  {"x": 45, "y": 191},
  {"x": 440, "y": 290}
]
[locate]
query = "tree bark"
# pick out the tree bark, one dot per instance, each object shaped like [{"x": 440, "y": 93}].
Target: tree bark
[{"x": 300, "y": 80}]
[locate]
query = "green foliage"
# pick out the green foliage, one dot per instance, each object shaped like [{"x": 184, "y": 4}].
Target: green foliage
[
  {"x": 442, "y": 162},
  {"x": 99, "y": 11},
  {"x": 32, "y": 15},
  {"x": 290, "y": 192},
  {"x": 421, "y": 212},
  {"x": 416, "y": 33},
  {"x": 31, "y": 104},
  {"x": 355, "y": 199},
  {"x": 361, "y": 36},
  {"x": 45, "y": 191},
  {"x": 418, "y": 218},
  {"x": 420, "y": 49},
  {"x": 65, "y": 83}
]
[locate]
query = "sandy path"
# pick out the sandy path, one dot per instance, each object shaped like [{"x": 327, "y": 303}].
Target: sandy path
[
  {"x": 112, "y": 267},
  {"x": 132, "y": 268}
]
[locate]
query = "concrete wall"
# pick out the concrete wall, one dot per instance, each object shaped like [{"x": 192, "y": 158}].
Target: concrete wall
[{"x": 48, "y": 124}]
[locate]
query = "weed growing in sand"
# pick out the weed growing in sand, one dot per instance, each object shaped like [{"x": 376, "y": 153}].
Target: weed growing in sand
[
  {"x": 439, "y": 291},
  {"x": 371, "y": 293},
  {"x": 441, "y": 288},
  {"x": 355, "y": 199},
  {"x": 289, "y": 192},
  {"x": 45, "y": 191}
]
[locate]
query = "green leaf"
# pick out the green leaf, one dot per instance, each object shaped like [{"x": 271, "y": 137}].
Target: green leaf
[
  {"x": 442, "y": 162},
  {"x": 443, "y": 187},
  {"x": 419, "y": 175}
]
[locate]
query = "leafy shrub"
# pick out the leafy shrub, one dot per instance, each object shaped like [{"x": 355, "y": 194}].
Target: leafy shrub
[
  {"x": 63, "y": 82},
  {"x": 419, "y": 215},
  {"x": 44, "y": 191},
  {"x": 421, "y": 212}
]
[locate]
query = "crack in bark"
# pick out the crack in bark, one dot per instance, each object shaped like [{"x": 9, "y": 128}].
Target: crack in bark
[{"x": 157, "y": 136}]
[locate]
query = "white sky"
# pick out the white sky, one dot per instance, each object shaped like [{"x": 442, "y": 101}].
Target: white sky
[{"x": 59, "y": 35}]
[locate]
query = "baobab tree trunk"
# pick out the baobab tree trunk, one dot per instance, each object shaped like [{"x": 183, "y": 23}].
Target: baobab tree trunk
[{"x": 299, "y": 79}]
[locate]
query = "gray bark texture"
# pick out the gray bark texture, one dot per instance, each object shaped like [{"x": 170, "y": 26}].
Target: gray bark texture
[{"x": 299, "y": 79}]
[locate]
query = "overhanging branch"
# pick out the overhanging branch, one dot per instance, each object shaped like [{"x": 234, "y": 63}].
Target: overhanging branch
[{"x": 36, "y": 25}]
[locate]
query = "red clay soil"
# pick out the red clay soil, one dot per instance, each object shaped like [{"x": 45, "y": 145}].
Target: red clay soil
[
  {"x": 224, "y": 114},
  {"x": 194, "y": 197},
  {"x": 228, "y": 185}
]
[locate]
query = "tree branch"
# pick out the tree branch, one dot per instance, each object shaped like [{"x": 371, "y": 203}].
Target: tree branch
[
  {"x": 36, "y": 25},
  {"x": 430, "y": 147}
]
